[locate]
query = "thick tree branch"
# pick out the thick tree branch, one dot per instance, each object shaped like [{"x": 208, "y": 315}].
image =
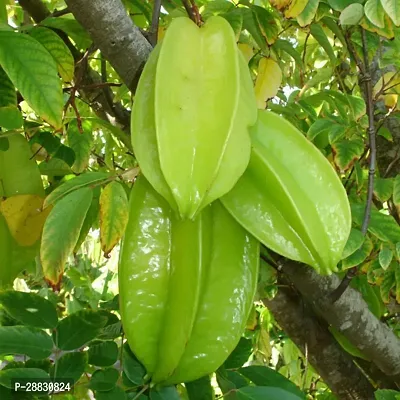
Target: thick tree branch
[
  {"x": 335, "y": 365},
  {"x": 115, "y": 35},
  {"x": 350, "y": 315}
]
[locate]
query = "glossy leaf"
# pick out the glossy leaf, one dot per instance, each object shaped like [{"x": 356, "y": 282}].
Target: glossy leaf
[
  {"x": 354, "y": 242},
  {"x": 104, "y": 380},
  {"x": 265, "y": 392},
  {"x": 200, "y": 389},
  {"x": 103, "y": 354},
  {"x": 347, "y": 151},
  {"x": 375, "y": 13},
  {"x": 70, "y": 366},
  {"x": 320, "y": 36},
  {"x": 240, "y": 354},
  {"x": 29, "y": 309},
  {"x": 359, "y": 255},
  {"x": 81, "y": 142},
  {"x": 308, "y": 14},
  {"x": 8, "y": 95},
  {"x": 34, "y": 73},
  {"x": 81, "y": 181},
  {"x": 284, "y": 210},
  {"x": 113, "y": 215},
  {"x": 392, "y": 8},
  {"x": 78, "y": 328},
  {"x": 265, "y": 376},
  {"x": 32, "y": 342},
  {"x": 8, "y": 376},
  {"x": 385, "y": 257},
  {"x": 383, "y": 188},
  {"x": 61, "y": 232},
  {"x": 352, "y": 14},
  {"x": 133, "y": 369},
  {"x": 389, "y": 281},
  {"x": 10, "y": 117},
  {"x": 58, "y": 50}
]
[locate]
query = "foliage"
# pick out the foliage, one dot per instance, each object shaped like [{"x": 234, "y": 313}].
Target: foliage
[{"x": 62, "y": 320}]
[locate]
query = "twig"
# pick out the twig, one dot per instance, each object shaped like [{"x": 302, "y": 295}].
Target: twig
[
  {"x": 60, "y": 13},
  {"x": 192, "y": 11},
  {"x": 154, "y": 22},
  {"x": 365, "y": 78}
]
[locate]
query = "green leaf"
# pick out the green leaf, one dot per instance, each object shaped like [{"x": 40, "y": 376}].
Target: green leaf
[
  {"x": 354, "y": 242},
  {"x": 200, "y": 389},
  {"x": 384, "y": 227},
  {"x": 132, "y": 367},
  {"x": 265, "y": 392},
  {"x": 104, "y": 380},
  {"x": 347, "y": 151},
  {"x": 268, "y": 25},
  {"x": 81, "y": 181},
  {"x": 340, "y": 5},
  {"x": 81, "y": 142},
  {"x": 114, "y": 394},
  {"x": 386, "y": 394},
  {"x": 374, "y": 12},
  {"x": 265, "y": 376},
  {"x": 250, "y": 23},
  {"x": 78, "y": 328},
  {"x": 103, "y": 354},
  {"x": 8, "y": 375},
  {"x": 29, "y": 308},
  {"x": 320, "y": 36},
  {"x": 114, "y": 213},
  {"x": 322, "y": 75},
  {"x": 385, "y": 257},
  {"x": 360, "y": 282},
  {"x": 55, "y": 167},
  {"x": 71, "y": 27},
  {"x": 58, "y": 50},
  {"x": 392, "y": 8},
  {"x": 34, "y": 73},
  {"x": 383, "y": 188},
  {"x": 10, "y": 117},
  {"x": 397, "y": 278},
  {"x": 61, "y": 232},
  {"x": 32, "y": 342},
  {"x": 389, "y": 281},
  {"x": 332, "y": 25},
  {"x": 235, "y": 18},
  {"x": 352, "y": 14},
  {"x": 3, "y": 12},
  {"x": 396, "y": 190},
  {"x": 308, "y": 14},
  {"x": 165, "y": 393},
  {"x": 240, "y": 355},
  {"x": 287, "y": 47},
  {"x": 8, "y": 95},
  {"x": 320, "y": 126},
  {"x": 70, "y": 366},
  {"x": 90, "y": 219},
  {"x": 359, "y": 255}
]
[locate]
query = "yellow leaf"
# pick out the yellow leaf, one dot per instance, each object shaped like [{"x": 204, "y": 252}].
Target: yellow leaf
[
  {"x": 280, "y": 4},
  {"x": 25, "y": 217},
  {"x": 390, "y": 100},
  {"x": 246, "y": 50},
  {"x": 295, "y": 8},
  {"x": 269, "y": 79}
]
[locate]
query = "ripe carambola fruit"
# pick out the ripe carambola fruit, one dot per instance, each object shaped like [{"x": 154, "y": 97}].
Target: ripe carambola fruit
[
  {"x": 190, "y": 118},
  {"x": 19, "y": 174},
  {"x": 186, "y": 286},
  {"x": 290, "y": 197}
]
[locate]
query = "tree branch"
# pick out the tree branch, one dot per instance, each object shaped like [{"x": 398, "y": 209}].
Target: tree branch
[
  {"x": 154, "y": 22},
  {"x": 114, "y": 34},
  {"x": 334, "y": 364},
  {"x": 350, "y": 315}
]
